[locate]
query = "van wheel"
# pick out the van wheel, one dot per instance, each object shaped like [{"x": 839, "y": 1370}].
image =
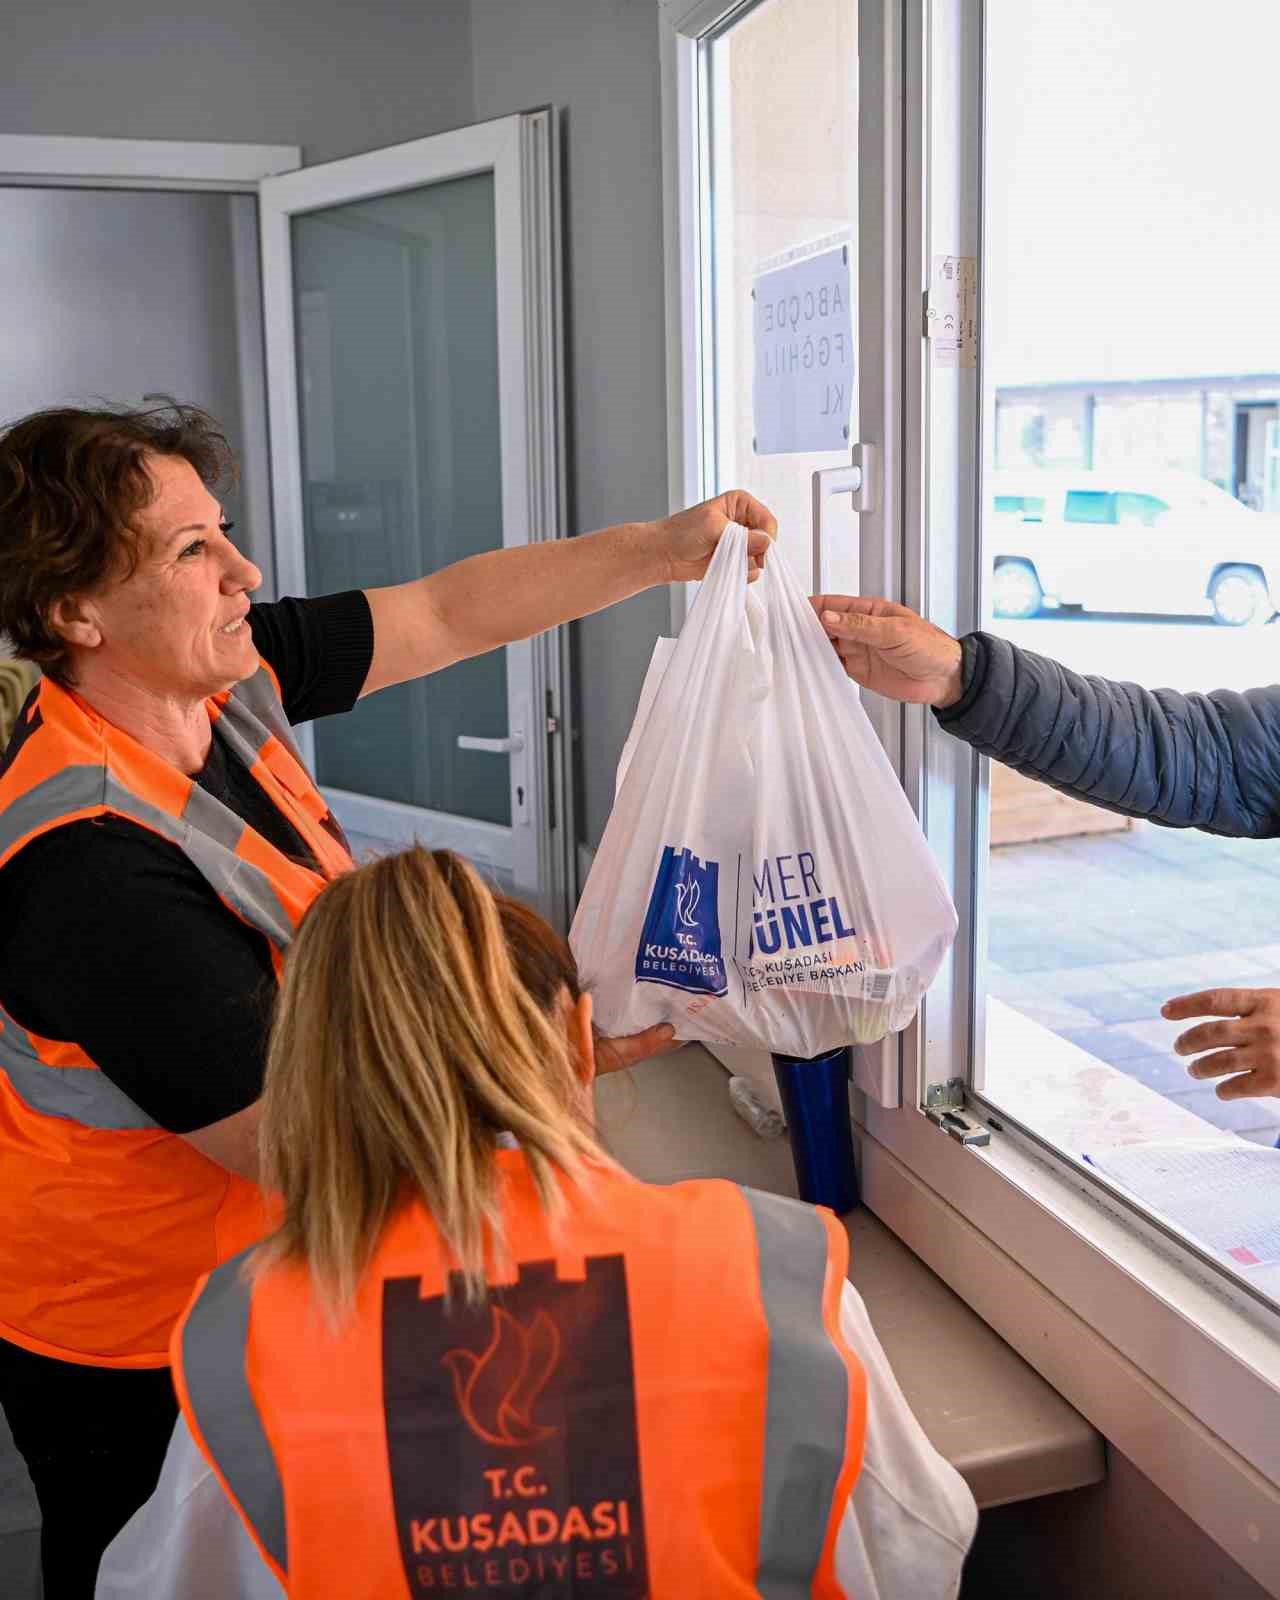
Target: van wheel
[
  {"x": 1240, "y": 598},
  {"x": 1015, "y": 589}
]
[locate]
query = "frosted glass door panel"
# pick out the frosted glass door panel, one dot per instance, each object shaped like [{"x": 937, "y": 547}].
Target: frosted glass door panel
[{"x": 395, "y": 302}]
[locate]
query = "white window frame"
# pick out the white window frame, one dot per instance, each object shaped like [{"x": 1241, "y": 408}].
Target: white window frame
[
  {"x": 1175, "y": 1371},
  {"x": 684, "y": 223}
]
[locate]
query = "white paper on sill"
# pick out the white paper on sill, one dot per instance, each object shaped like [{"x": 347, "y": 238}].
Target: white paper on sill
[{"x": 1225, "y": 1196}]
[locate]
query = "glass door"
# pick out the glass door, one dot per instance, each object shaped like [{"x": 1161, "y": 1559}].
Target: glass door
[
  {"x": 790, "y": 260},
  {"x": 780, "y": 97},
  {"x": 411, "y": 298}
]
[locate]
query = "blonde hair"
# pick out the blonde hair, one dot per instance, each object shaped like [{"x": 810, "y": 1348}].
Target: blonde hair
[{"x": 419, "y": 1019}]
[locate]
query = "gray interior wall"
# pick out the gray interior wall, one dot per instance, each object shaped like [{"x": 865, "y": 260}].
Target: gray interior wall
[
  {"x": 124, "y": 294},
  {"x": 121, "y": 295},
  {"x": 597, "y": 60},
  {"x": 335, "y": 78}
]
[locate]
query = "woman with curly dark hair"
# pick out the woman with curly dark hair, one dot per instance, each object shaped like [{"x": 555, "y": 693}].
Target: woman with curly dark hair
[{"x": 159, "y": 842}]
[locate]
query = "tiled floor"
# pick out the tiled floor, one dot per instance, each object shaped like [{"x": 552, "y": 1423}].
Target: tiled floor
[{"x": 1090, "y": 936}]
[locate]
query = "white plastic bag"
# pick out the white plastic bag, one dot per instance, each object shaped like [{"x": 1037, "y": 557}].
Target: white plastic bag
[{"x": 762, "y": 880}]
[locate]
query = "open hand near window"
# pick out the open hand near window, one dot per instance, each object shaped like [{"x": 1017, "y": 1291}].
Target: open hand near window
[
  {"x": 891, "y": 650},
  {"x": 1244, "y": 1047}
]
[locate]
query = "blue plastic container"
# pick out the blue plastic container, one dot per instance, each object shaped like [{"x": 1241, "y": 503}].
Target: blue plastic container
[{"x": 815, "y": 1097}]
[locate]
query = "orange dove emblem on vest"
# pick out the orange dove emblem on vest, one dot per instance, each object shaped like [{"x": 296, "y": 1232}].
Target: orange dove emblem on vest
[{"x": 497, "y": 1391}]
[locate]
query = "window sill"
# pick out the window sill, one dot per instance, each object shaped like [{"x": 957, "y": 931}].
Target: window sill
[
  {"x": 987, "y": 1412},
  {"x": 1147, "y": 1344},
  {"x": 1084, "y": 1106}
]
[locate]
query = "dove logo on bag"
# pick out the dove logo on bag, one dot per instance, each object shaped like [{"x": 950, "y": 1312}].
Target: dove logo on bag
[
  {"x": 680, "y": 943},
  {"x": 687, "y": 897}
]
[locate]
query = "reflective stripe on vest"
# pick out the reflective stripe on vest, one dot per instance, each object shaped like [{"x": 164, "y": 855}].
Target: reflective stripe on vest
[
  {"x": 133, "y": 1215},
  {"x": 215, "y": 1341},
  {"x": 806, "y": 1440},
  {"x": 208, "y": 832},
  {"x": 255, "y": 708},
  {"x": 80, "y": 1094},
  {"x": 260, "y": 695},
  {"x": 808, "y": 1397}
]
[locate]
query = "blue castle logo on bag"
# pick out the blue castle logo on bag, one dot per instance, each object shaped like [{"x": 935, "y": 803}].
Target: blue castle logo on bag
[{"x": 680, "y": 945}]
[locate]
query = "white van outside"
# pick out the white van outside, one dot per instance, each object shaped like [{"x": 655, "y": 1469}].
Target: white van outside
[{"x": 1155, "y": 542}]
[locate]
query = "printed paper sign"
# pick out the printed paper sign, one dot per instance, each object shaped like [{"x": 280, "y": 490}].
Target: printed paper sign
[
  {"x": 804, "y": 368},
  {"x": 1225, "y": 1195}
]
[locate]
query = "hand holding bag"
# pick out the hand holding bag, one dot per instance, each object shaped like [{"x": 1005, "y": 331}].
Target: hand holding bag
[{"x": 762, "y": 880}]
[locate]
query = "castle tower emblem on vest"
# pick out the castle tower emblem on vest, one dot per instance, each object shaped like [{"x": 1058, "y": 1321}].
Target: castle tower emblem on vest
[
  {"x": 512, "y": 1434},
  {"x": 497, "y": 1390}
]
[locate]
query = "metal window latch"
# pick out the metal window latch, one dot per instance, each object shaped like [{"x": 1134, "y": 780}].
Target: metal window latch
[{"x": 944, "y": 1105}]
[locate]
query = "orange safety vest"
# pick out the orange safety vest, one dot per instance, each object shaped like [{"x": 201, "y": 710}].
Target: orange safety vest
[
  {"x": 655, "y": 1401},
  {"x": 107, "y": 1220}
]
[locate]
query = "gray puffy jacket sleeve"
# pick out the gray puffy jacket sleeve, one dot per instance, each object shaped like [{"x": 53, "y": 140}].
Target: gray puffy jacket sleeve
[{"x": 1209, "y": 761}]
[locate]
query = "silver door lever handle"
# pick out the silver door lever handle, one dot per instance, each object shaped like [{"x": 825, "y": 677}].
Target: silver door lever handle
[
  {"x": 860, "y": 479},
  {"x": 509, "y": 746}
]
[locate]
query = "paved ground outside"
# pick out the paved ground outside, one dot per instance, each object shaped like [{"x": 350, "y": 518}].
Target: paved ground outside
[{"x": 1090, "y": 936}]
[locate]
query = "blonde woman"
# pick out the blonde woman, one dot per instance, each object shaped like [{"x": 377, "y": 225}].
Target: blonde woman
[{"x": 476, "y": 1355}]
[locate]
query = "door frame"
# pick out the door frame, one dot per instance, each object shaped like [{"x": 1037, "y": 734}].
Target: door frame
[
  {"x": 51, "y": 161},
  {"x": 521, "y": 152},
  {"x": 41, "y": 161},
  {"x": 48, "y": 161}
]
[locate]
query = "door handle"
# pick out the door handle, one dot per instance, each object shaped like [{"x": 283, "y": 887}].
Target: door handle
[
  {"x": 861, "y": 479},
  {"x": 512, "y": 745}
]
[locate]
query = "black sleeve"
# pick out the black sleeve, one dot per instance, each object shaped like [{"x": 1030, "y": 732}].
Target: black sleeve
[
  {"x": 110, "y": 939},
  {"x": 1209, "y": 761},
  {"x": 320, "y": 649}
]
